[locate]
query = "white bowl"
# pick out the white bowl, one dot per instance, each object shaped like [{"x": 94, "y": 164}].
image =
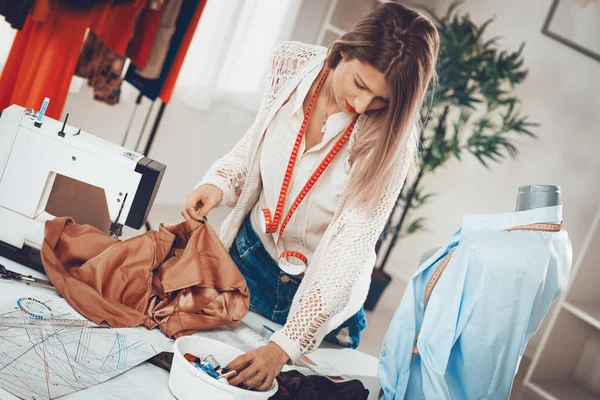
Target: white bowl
[{"x": 187, "y": 382}]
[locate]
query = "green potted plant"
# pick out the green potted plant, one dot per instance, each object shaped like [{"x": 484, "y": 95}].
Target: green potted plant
[{"x": 474, "y": 109}]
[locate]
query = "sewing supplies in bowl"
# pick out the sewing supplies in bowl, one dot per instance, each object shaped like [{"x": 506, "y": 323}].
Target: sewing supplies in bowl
[
  {"x": 195, "y": 362},
  {"x": 212, "y": 367}
]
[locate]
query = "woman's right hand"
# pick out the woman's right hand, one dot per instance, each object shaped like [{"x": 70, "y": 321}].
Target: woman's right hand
[{"x": 200, "y": 201}]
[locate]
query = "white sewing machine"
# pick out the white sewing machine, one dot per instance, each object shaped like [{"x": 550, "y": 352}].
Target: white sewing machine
[{"x": 35, "y": 156}]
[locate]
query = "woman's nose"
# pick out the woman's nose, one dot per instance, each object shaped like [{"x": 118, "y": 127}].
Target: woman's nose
[{"x": 361, "y": 105}]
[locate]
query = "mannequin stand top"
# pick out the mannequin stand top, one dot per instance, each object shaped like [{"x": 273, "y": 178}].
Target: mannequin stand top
[
  {"x": 538, "y": 196},
  {"x": 528, "y": 198}
]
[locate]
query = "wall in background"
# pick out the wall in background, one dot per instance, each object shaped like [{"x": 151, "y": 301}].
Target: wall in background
[
  {"x": 561, "y": 93},
  {"x": 311, "y": 15}
]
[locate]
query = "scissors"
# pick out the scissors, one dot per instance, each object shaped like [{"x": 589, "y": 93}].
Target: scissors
[{"x": 26, "y": 279}]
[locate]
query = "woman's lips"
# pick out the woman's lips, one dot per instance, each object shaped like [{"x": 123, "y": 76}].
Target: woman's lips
[{"x": 350, "y": 108}]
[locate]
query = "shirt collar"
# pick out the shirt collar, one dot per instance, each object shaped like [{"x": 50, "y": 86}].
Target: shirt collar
[
  {"x": 304, "y": 85},
  {"x": 336, "y": 123},
  {"x": 494, "y": 222},
  {"x": 498, "y": 222}
]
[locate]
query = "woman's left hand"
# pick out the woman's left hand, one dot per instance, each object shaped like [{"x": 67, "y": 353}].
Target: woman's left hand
[{"x": 258, "y": 368}]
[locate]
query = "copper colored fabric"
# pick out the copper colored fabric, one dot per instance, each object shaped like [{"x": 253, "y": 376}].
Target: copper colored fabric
[{"x": 180, "y": 277}]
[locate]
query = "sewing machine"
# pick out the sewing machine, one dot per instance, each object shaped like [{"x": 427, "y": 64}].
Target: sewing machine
[{"x": 49, "y": 169}]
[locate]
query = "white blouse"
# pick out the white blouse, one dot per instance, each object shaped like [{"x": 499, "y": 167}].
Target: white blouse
[
  {"x": 336, "y": 283},
  {"x": 310, "y": 220}
]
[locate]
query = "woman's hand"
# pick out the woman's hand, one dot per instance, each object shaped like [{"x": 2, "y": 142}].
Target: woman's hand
[
  {"x": 200, "y": 201},
  {"x": 258, "y": 368}
]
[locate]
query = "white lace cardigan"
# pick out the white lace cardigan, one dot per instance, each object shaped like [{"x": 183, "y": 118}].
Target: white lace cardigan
[{"x": 337, "y": 280}]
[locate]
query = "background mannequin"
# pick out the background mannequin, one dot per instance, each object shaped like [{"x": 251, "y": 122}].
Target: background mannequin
[{"x": 537, "y": 196}]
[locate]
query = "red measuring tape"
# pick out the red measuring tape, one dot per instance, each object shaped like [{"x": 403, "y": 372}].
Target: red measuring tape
[{"x": 272, "y": 222}]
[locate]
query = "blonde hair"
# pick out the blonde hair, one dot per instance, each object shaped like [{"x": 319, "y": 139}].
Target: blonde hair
[{"x": 403, "y": 45}]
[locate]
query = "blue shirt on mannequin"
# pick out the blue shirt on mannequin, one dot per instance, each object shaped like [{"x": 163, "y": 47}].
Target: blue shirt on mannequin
[{"x": 489, "y": 301}]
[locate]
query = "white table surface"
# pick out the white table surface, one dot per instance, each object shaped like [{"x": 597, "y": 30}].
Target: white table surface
[{"x": 147, "y": 381}]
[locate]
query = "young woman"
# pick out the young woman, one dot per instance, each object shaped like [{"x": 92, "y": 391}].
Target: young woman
[{"x": 315, "y": 178}]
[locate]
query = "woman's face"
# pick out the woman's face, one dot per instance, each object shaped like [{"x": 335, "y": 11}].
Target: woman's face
[{"x": 359, "y": 87}]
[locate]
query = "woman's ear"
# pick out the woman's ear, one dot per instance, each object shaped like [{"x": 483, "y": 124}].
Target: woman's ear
[{"x": 343, "y": 54}]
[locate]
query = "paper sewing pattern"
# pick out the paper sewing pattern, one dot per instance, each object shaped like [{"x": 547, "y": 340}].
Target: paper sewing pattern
[{"x": 45, "y": 361}]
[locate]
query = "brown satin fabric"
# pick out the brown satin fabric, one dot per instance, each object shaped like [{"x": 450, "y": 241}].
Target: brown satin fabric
[{"x": 180, "y": 277}]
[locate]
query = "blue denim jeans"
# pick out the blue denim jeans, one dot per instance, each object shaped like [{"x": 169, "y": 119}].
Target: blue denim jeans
[{"x": 272, "y": 290}]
